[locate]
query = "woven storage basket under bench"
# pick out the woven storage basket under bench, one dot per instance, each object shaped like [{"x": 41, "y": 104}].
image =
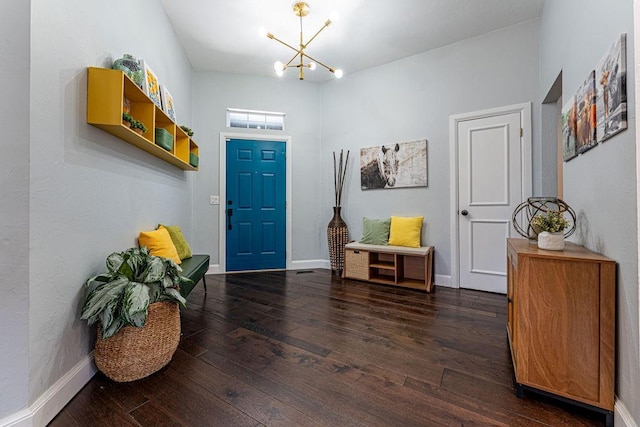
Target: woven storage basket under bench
[{"x": 390, "y": 265}]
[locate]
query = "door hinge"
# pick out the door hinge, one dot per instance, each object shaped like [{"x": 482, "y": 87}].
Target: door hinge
[{"x": 521, "y": 132}]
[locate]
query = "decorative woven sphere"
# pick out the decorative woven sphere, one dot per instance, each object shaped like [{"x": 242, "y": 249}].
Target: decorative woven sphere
[{"x": 525, "y": 212}]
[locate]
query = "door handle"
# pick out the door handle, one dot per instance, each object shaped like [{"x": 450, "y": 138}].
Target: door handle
[
  {"x": 229, "y": 215},
  {"x": 464, "y": 212}
]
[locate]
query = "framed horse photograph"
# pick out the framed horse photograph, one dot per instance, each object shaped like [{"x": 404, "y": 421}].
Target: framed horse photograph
[
  {"x": 397, "y": 165},
  {"x": 611, "y": 87}
]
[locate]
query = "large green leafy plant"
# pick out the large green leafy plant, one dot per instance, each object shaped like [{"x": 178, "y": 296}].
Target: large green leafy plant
[{"x": 134, "y": 280}]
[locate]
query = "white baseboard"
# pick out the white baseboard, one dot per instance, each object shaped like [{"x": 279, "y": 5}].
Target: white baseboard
[
  {"x": 312, "y": 263},
  {"x": 622, "y": 415},
  {"x": 215, "y": 269},
  {"x": 47, "y": 406},
  {"x": 442, "y": 280},
  {"x": 295, "y": 265}
]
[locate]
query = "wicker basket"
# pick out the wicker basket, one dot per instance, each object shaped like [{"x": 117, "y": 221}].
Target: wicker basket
[
  {"x": 356, "y": 264},
  {"x": 135, "y": 353}
]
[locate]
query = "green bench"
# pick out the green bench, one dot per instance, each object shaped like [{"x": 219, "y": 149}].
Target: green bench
[{"x": 194, "y": 268}]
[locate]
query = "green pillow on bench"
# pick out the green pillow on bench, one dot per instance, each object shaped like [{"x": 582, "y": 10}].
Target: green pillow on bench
[
  {"x": 181, "y": 244},
  {"x": 375, "y": 231}
]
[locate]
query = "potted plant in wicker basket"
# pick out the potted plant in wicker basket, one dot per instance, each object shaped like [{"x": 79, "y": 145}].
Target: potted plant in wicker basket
[{"x": 136, "y": 306}]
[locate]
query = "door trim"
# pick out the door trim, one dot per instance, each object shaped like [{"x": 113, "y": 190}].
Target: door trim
[
  {"x": 527, "y": 181},
  {"x": 222, "y": 234}
]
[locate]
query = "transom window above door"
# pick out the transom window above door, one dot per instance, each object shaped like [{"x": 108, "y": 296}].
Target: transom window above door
[{"x": 252, "y": 119}]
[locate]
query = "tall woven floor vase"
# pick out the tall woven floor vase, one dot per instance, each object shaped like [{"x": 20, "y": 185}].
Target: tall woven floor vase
[
  {"x": 134, "y": 353},
  {"x": 338, "y": 237}
]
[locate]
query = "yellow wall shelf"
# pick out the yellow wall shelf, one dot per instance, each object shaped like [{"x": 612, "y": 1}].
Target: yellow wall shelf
[{"x": 106, "y": 93}]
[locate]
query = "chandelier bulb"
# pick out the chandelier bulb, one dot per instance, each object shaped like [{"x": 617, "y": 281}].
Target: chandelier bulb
[
  {"x": 334, "y": 16},
  {"x": 312, "y": 66},
  {"x": 279, "y": 67},
  {"x": 338, "y": 73},
  {"x": 262, "y": 32}
]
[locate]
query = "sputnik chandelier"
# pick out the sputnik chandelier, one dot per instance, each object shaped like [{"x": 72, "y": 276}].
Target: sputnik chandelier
[{"x": 301, "y": 9}]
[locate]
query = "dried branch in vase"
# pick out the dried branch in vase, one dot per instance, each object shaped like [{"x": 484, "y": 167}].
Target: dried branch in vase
[{"x": 339, "y": 173}]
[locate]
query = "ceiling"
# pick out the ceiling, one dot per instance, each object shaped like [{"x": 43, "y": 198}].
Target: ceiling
[{"x": 223, "y": 35}]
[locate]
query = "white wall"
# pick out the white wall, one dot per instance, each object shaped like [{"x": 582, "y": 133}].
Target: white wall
[
  {"x": 213, "y": 93},
  {"x": 412, "y": 99},
  {"x": 14, "y": 205},
  {"x": 91, "y": 193},
  {"x": 601, "y": 184}
]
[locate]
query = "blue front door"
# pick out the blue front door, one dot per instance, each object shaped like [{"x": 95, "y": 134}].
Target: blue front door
[{"x": 256, "y": 205}]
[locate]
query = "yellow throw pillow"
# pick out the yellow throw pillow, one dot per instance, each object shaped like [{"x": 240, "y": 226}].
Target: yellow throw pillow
[
  {"x": 405, "y": 231},
  {"x": 159, "y": 244},
  {"x": 181, "y": 244}
]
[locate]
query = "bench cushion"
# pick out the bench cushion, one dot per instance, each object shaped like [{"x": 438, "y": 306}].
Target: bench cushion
[
  {"x": 193, "y": 268},
  {"x": 404, "y": 250}
]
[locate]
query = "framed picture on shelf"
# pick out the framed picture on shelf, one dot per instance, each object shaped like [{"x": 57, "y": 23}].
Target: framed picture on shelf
[
  {"x": 126, "y": 105},
  {"x": 167, "y": 103},
  {"x": 150, "y": 84}
]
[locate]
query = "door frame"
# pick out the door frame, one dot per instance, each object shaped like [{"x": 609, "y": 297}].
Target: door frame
[
  {"x": 222, "y": 232},
  {"x": 527, "y": 179}
]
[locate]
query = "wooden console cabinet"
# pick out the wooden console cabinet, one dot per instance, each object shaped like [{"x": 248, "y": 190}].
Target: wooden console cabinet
[
  {"x": 561, "y": 323},
  {"x": 390, "y": 265}
]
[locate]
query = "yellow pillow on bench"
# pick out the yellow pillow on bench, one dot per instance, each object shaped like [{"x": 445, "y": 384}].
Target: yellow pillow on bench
[
  {"x": 405, "y": 231},
  {"x": 159, "y": 244}
]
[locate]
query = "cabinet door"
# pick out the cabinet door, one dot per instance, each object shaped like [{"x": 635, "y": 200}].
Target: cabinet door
[{"x": 559, "y": 324}]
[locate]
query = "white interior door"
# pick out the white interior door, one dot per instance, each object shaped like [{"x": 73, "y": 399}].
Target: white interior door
[{"x": 489, "y": 189}]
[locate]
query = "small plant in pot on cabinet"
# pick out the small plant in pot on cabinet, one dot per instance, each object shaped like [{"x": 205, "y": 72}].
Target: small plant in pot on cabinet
[{"x": 550, "y": 229}]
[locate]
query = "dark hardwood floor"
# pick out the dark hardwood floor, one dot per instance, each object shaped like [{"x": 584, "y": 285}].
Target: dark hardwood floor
[{"x": 306, "y": 348}]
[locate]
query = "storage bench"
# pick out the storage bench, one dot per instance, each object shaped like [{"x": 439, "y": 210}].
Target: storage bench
[
  {"x": 194, "y": 268},
  {"x": 390, "y": 265}
]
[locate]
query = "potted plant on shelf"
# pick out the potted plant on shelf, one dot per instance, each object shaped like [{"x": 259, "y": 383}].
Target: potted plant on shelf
[
  {"x": 135, "y": 304},
  {"x": 550, "y": 228},
  {"x": 138, "y": 127},
  {"x": 135, "y": 125},
  {"x": 187, "y": 130},
  {"x": 127, "y": 119}
]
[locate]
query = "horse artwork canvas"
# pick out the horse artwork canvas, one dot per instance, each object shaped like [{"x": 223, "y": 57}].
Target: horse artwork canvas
[{"x": 394, "y": 166}]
